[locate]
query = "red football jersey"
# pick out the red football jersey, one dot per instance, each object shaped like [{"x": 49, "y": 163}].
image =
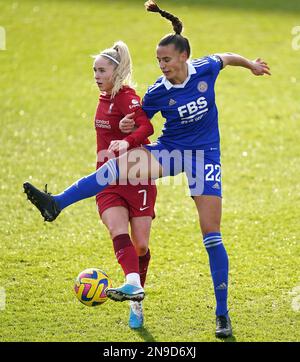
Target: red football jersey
[{"x": 109, "y": 114}]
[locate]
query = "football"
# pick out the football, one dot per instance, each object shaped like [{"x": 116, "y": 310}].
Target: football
[{"x": 90, "y": 286}]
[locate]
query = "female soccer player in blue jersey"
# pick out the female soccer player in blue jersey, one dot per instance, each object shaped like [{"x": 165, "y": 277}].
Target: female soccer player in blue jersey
[{"x": 190, "y": 143}]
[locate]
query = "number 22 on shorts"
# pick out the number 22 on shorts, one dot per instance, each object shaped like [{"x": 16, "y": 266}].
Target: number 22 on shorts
[{"x": 214, "y": 172}]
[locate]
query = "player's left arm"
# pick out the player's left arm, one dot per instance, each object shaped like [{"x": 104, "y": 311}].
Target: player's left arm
[
  {"x": 257, "y": 66},
  {"x": 130, "y": 106}
]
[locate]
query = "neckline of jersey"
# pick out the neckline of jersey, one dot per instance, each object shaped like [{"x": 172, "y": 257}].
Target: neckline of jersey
[{"x": 169, "y": 85}]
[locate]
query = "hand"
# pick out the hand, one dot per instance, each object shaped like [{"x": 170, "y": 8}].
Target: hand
[
  {"x": 118, "y": 146},
  {"x": 260, "y": 67},
  {"x": 126, "y": 124}
]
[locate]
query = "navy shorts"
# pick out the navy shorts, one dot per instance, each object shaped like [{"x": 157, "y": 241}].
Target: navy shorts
[{"x": 201, "y": 167}]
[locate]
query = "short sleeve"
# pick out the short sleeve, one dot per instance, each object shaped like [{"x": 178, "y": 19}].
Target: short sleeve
[
  {"x": 216, "y": 63},
  {"x": 148, "y": 106}
]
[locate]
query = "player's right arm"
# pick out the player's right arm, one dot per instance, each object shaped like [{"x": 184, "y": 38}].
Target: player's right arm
[{"x": 127, "y": 124}]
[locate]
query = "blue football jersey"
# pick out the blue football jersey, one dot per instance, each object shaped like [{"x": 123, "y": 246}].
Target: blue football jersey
[{"x": 189, "y": 108}]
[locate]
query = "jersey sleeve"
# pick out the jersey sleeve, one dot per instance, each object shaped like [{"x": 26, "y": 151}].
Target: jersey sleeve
[
  {"x": 215, "y": 63},
  {"x": 128, "y": 103},
  {"x": 149, "y": 107},
  {"x": 143, "y": 131}
]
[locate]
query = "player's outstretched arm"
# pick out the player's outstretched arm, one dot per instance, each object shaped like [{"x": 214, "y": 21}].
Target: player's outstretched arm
[{"x": 257, "y": 66}]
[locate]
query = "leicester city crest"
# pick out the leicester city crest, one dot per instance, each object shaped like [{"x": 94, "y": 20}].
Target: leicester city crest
[{"x": 202, "y": 86}]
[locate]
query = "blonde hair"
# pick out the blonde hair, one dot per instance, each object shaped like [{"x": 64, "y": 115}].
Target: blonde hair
[{"x": 119, "y": 56}]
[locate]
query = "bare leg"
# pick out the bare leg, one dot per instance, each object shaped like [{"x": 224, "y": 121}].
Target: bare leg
[
  {"x": 139, "y": 163},
  {"x": 210, "y": 211},
  {"x": 116, "y": 220}
]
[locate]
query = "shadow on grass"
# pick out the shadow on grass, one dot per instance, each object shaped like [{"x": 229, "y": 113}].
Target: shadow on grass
[
  {"x": 148, "y": 337},
  {"x": 145, "y": 334},
  {"x": 230, "y": 339}
]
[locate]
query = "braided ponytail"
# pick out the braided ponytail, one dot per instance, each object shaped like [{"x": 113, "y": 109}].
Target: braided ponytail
[
  {"x": 181, "y": 43},
  {"x": 176, "y": 23}
]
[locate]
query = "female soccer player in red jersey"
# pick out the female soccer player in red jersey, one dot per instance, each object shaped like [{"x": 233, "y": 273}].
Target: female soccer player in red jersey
[
  {"x": 185, "y": 97},
  {"x": 121, "y": 205}
]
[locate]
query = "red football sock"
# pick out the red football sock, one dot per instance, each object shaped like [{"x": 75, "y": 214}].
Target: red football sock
[
  {"x": 126, "y": 254},
  {"x": 143, "y": 265}
]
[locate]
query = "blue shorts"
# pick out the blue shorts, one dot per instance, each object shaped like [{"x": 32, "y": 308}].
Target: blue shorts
[{"x": 201, "y": 167}]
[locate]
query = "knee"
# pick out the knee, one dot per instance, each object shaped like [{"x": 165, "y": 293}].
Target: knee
[
  {"x": 115, "y": 220},
  {"x": 141, "y": 248},
  {"x": 115, "y": 230},
  {"x": 210, "y": 228}
]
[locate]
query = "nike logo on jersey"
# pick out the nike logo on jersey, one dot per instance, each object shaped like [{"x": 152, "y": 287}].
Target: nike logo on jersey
[{"x": 144, "y": 208}]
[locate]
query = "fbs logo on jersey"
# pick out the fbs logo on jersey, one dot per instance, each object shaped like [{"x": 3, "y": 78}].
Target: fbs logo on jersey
[{"x": 194, "y": 108}]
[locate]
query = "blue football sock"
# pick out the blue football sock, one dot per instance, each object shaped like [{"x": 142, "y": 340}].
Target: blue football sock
[
  {"x": 90, "y": 185},
  {"x": 218, "y": 261}
]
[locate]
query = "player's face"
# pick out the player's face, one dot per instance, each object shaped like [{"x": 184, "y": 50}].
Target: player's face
[
  {"x": 172, "y": 63},
  {"x": 103, "y": 71}
]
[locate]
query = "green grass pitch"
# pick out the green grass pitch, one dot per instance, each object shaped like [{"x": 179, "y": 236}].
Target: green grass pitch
[{"x": 47, "y": 104}]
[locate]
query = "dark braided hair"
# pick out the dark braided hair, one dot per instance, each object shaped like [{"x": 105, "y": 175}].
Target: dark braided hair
[{"x": 181, "y": 43}]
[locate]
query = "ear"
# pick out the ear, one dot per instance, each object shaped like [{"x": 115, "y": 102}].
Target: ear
[{"x": 183, "y": 56}]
